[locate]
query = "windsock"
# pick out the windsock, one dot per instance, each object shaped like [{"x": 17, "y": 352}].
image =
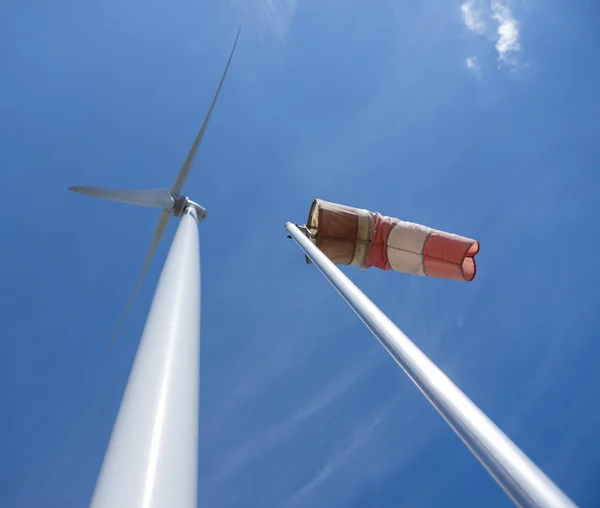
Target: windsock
[{"x": 353, "y": 236}]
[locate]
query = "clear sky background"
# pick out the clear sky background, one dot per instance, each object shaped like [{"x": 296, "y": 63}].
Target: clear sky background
[{"x": 477, "y": 118}]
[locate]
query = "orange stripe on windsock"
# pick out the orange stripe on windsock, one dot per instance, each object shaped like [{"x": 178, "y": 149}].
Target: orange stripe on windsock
[
  {"x": 377, "y": 253},
  {"x": 449, "y": 256}
]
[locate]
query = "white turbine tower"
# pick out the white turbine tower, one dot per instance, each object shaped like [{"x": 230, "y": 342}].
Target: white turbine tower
[{"x": 152, "y": 457}]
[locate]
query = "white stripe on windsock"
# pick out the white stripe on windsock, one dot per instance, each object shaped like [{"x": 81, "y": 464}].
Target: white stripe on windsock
[{"x": 405, "y": 247}]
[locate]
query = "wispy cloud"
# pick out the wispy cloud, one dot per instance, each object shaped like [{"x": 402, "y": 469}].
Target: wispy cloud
[
  {"x": 271, "y": 16},
  {"x": 472, "y": 17},
  {"x": 251, "y": 449},
  {"x": 361, "y": 455},
  {"x": 507, "y": 43},
  {"x": 473, "y": 66},
  {"x": 359, "y": 438}
]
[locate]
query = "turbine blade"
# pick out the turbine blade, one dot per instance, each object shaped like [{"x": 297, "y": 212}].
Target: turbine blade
[
  {"x": 158, "y": 232},
  {"x": 187, "y": 165},
  {"x": 154, "y": 198}
]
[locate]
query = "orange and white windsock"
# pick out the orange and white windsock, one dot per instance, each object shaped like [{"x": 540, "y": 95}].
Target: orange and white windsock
[{"x": 353, "y": 236}]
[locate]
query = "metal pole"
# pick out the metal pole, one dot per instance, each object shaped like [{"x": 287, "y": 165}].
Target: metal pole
[
  {"x": 152, "y": 456},
  {"x": 518, "y": 476}
]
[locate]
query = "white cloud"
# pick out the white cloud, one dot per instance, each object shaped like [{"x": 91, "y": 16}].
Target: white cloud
[
  {"x": 473, "y": 65},
  {"x": 507, "y": 43},
  {"x": 472, "y": 17},
  {"x": 506, "y": 36}
]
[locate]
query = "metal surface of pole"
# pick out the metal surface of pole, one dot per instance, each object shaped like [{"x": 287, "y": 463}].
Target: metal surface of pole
[
  {"x": 152, "y": 456},
  {"x": 518, "y": 476}
]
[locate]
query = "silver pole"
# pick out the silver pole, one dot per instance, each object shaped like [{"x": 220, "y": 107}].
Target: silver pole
[
  {"x": 152, "y": 456},
  {"x": 518, "y": 476}
]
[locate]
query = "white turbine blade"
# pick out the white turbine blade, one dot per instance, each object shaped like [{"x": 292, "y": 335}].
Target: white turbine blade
[
  {"x": 153, "y": 198},
  {"x": 187, "y": 165},
  {"x": 158, "y": 232}
]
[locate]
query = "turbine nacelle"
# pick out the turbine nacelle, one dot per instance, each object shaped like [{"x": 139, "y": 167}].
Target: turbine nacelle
[{"x": 182, "y": 203}]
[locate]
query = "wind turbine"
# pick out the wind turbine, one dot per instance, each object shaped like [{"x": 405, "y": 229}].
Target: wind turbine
[{"x": 152, "y": 457}]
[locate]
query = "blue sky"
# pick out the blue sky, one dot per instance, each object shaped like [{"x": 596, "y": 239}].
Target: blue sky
[{"x": 478, "y": 118}]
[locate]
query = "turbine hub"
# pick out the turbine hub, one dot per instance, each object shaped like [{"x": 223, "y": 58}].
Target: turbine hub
[{"x": 183, "y": 202}]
